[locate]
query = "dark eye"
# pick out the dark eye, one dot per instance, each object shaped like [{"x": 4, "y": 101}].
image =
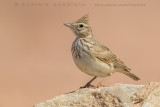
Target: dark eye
[{"x": 80, "y": 25}]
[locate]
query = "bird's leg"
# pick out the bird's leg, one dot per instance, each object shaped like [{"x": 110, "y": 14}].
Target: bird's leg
[
  {"x": 100, "y": 83},
  {"x": 89, "y": 83}
]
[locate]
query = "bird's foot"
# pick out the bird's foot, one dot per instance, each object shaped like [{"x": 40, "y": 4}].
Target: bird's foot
[
  {"x": 87, "y": 86},
  {"x": 99, "y": 85}
]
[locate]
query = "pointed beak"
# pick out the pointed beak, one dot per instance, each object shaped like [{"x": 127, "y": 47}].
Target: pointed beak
[{"x": 68, "y": 25}]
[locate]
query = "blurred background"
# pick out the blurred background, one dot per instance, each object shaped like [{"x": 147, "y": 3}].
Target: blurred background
[{"x": 35, "y": 47}]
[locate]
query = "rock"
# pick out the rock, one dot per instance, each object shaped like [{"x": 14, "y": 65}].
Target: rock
[{"x": 121, "y": 95}]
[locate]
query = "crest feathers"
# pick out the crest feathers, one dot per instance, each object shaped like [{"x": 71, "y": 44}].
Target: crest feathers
[{"x": 84, "y": 19}]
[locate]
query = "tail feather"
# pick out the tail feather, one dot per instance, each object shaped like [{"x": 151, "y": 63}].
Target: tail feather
[{"x": 131, "y": 75}]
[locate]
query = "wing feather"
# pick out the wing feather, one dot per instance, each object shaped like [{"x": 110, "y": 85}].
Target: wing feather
[{"x": 103, "y": 53}]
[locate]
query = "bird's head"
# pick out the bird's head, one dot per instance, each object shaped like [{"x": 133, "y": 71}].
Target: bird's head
[{"x": 80, "y": 27}]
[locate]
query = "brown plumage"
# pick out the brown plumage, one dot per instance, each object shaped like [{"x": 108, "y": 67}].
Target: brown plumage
[{"x": 91, "y": 56}]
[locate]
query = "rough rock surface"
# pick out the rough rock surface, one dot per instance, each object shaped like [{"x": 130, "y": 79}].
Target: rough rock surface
[{"x": 121, "y": 95}]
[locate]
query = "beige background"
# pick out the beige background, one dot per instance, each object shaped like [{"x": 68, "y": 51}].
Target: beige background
[{"x": 35, "y": 58}]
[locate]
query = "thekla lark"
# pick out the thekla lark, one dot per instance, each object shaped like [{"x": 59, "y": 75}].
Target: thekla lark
[{"x": 92, "y": 57}]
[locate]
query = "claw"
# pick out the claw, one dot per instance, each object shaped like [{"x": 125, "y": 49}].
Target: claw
[{"x": 87, "y": 86}]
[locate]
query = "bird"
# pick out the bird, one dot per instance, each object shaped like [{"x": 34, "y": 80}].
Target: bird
[{"x": 91, "y": 56}]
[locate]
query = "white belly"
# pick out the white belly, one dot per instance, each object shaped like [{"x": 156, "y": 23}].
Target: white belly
[{"x": 91, "y": 66}]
